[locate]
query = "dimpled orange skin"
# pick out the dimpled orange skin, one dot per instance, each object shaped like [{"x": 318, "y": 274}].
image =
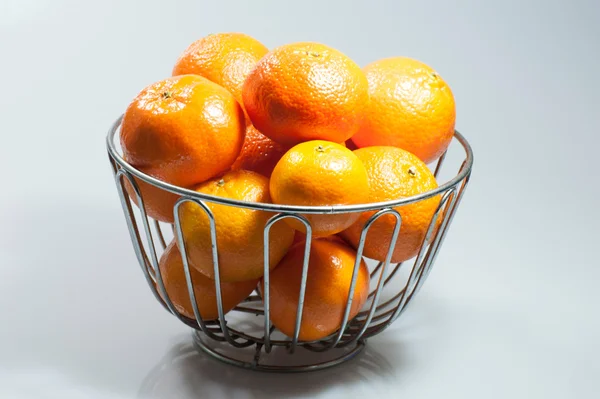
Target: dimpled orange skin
[
  {"x": 328, "y": 282},
  {"x": 224, "y": 58},
  {"x": 393, "y": 174},
  {"x": 239, "y": 230},
  {"x": 259, "y": 153},
  {"x": 182, "y": 130},
  {"x": 158, "y": 203},
  {"x": 173, "y": 275},
  {"x": 306, "y": 91},
  {"x": 320, "y": 173},
  {"x": 411, "y": 107}
]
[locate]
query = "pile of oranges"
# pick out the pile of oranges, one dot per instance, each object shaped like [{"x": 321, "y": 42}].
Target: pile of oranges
[{"x": 301, "y": 124}]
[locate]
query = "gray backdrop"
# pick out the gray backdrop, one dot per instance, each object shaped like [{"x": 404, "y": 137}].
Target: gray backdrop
[{"x": 510, "y": 310}]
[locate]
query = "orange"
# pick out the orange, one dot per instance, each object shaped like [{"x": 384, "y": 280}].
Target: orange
[
  {"x": 224, "y": 58},
  {"x": 172, "y": 272},
  {"x": 259, "y": 154},
  {"x": 301, "y": 237},
  {"x": 393, "y": 174},
  {"x": 320, "y": 173},
  {"x": 327, "y": 285},
  {"x": 306, "y": 91},
  {"x": 239, "y": 230},
  {"x": 182, "y": 130},
  {"x": 411, "y": 107},
  {"x": 158, "y": 203}
]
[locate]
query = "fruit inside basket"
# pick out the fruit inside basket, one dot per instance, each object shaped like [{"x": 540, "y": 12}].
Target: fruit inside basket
[{"x": 288, "y": 198}]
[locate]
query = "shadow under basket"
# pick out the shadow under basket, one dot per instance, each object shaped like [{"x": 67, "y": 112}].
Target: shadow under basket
[{"x": 245, "y": 336}]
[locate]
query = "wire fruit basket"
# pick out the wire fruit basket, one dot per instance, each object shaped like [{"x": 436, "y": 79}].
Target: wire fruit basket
[{"x": 245, "y": 336}]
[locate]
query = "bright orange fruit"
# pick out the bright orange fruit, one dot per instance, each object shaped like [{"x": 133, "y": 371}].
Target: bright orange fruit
[
  {"x": 239, "y": 230},
  {"x": 158, "y": 203},
  {"x": 173, "y": 275},
  {"x": 182, "y": 130},
  {"x": 306, "y": 91},
  {"x": 411, "y": 107},
  {"x": 259, "y": 154},
  {"x": 224, "y": 58},
  {"x": 320, "y": 173},
  {"x": 393, "y": 174},
  {"x": 328, "y": 281}
]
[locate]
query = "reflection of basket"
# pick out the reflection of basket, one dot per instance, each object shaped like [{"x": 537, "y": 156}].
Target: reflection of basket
[{"x": 234, "y": 329}]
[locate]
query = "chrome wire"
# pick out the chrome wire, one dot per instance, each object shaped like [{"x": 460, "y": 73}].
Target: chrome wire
[
  {"x": 290, "y": 209},
  {"x": 374, "y": 318}
]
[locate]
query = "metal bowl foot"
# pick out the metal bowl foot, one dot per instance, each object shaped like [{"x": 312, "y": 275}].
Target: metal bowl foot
[{"x": 279, "y": 359}]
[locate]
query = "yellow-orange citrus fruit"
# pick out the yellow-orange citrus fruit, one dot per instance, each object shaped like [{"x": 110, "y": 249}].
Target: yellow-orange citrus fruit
[
  {"x": 224, "y": 58},
  {"x": 182, "y": 130},
  {"x": 306, "y": 91},
  {"x": 411, "y": 107},
  {"x": 327, "y": 286},
  {"x": 173, "y": 275},
  {"x": 158, "y": 203},
  {"x": 239, "y": 230},
  {"x": 320, "y": 173},
  {"x": 394, "y": 174},
  {"x": 259, "y": 154}
]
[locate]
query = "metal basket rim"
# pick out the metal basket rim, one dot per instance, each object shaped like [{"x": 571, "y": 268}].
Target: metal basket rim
[{"x": 293, "y": 209}]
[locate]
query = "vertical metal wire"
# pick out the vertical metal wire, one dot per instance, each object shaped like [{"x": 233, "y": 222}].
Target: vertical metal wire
[
  {"x": 376, "y": 269},
  {"x": 366, "y": 323},
  {"x": 387, "y": 261},
  {"x": 186, "y": 266},
  {"x": 161, "y": 238},
  {"x": 215, "y": 257},
  {"x": 443, "y": 231},
  {"x": 417, "y": 267},
  {"x": 440, "y": 162},
  {"x": 449, "y": 204},
  {"x": 435, "y": 246},
  {"x": 417, "y": 270},
  {"x": 266, "y": 278},
  {"x": 389, "y": 277},
  {"x": 135, "y": 234}
]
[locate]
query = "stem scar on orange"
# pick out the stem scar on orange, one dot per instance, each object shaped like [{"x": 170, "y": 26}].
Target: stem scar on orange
[
  {"x": 393, "y": 174},
  {"x": 320, "y": 173},
  {"x": 182, "y": 130}
]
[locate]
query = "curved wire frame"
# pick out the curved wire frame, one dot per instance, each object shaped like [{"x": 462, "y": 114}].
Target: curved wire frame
[
  {"x": 353, "y": 332},
  {"x": 292, "y": 209}
]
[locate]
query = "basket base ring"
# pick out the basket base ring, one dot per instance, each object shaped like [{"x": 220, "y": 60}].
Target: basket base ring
[{"x": 314, "y": 360}]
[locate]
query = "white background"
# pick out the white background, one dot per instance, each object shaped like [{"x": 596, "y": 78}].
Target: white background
[{"x": 511, "y": 307}]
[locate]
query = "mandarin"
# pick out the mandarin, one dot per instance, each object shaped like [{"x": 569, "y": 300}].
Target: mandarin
[
  {"x": 239, "y": 230},
  {"x": 224, "y": 58},
  {"x": 330, "y": 268},
  {"x": 393, "y": 174},
  {"x": 259, "y": 153},
  {"x": 306, "y": 91},
  {"x": 320, "y": 173},
  {"x": 182, "y": 130},
  {"x": 173, "y": 275},
  {"x": 411, "y": 107}
]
